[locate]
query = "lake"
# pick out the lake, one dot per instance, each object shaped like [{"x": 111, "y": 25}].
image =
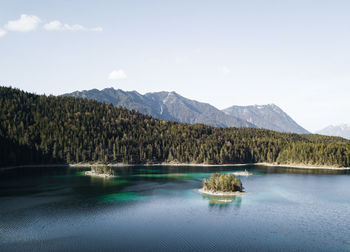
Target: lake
[{"x": 157, "y": 208}]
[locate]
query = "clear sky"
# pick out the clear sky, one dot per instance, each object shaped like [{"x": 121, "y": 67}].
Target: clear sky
[{"x": 295, "y": 54}]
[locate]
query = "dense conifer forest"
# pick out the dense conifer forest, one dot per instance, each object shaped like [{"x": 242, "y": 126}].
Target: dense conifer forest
[{"x": 37, "y": 129}]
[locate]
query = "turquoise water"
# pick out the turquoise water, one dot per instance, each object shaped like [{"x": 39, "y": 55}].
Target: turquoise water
[{"x": 158, "y": 208}]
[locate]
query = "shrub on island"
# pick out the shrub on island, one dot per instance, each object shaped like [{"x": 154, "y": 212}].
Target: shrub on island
[
  {"x": 222, "y": 183},
  {"x": 105, "y": 170}
]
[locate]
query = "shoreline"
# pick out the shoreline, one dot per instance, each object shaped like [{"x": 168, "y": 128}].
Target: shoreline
[
  {"x": 242, "y": 174},
  {"x": 295, "y": 166},
  {"x": 211, "y": 193},
  {"x": 304, "y": 166}
]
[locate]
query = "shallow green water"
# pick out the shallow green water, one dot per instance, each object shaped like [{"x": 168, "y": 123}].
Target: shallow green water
[{"x": 158, "y": 208}]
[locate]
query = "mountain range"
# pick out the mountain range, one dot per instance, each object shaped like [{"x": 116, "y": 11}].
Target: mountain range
[
  {"x": 174, "y": 107},
  {"x": 342, "y": 130},
  {"x": 266, "y": 116}
]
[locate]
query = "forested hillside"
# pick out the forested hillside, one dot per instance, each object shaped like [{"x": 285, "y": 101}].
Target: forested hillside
[{"x": 40, "y": 130}]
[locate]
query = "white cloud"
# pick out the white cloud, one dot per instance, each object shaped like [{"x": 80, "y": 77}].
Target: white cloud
[
  {"x": 117, "y": 75},
  {"x": 2, "y": 32},
  {"x": 25, "y": 23},
  {"x": 75, "y": 27},
  {"x": 224, "y": 69},
  {"x": 58, "y": 26},
  {"x": 53, "y": 26}
]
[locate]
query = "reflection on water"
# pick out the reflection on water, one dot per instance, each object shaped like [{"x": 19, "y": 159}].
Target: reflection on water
[
  {"x": 145, "y": 170},
  {"x": 159, "y": 208},
  {"x": 223, "y": 201},
  {"x": 81, "y": 173},
  {"x": 108, "y": 182},
  {"x": 122, "y": 196},
  {"x": 181, "y": 176},
  {"x": 275, "y": 169}
]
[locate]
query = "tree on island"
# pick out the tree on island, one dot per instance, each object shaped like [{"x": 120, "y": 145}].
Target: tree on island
[
  {"x": 222, "y": 183},
  {"x": 103, "y": 170}
]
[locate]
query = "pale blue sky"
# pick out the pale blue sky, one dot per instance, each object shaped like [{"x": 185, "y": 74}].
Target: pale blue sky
[{"x": 292, "y": 53}]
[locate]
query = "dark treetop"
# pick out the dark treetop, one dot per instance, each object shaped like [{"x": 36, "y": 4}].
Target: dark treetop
[{"x": 222, "y": 183}]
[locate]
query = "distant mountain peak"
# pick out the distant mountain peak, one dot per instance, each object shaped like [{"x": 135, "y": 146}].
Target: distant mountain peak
[
  {"x": 106, "y": 89},
  {"x": 268, "y": 116},
  {"x": 172, "y": 106},
  {"x": 342, "y": 130},
  {"x": 165, "y": 105}
]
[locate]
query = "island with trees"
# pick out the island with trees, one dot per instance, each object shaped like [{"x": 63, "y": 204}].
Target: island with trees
[
  {"x": 222, "y": 184},
  {"x": 101, "y": 171}
]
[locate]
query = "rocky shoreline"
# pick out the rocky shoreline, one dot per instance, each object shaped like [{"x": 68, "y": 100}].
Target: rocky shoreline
[
  {"x": 296, "y": 166},
  {"x": 212, "y": 193}
]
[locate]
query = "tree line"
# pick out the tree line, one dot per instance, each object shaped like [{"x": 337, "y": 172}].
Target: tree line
[{"x": 38, "y": 129}]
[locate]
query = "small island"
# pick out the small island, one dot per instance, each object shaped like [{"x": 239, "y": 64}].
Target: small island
[
  {"x": 101, "y": 171},
  {"x": 242, "y": 173},
  {"x": 222, "y": 185}
]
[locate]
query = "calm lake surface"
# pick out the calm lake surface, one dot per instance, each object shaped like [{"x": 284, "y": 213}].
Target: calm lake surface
[{"x": 157, "y": 208}]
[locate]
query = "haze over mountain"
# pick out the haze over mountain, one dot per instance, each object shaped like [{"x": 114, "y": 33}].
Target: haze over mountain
[
  {"x": 342, "y": 130},
  {"x": 266, "y": 116},
  {"x": 172, "y": 106}
]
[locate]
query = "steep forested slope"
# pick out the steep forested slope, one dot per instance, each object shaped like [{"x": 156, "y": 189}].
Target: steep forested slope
[{"x": 39, "y": 129}]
